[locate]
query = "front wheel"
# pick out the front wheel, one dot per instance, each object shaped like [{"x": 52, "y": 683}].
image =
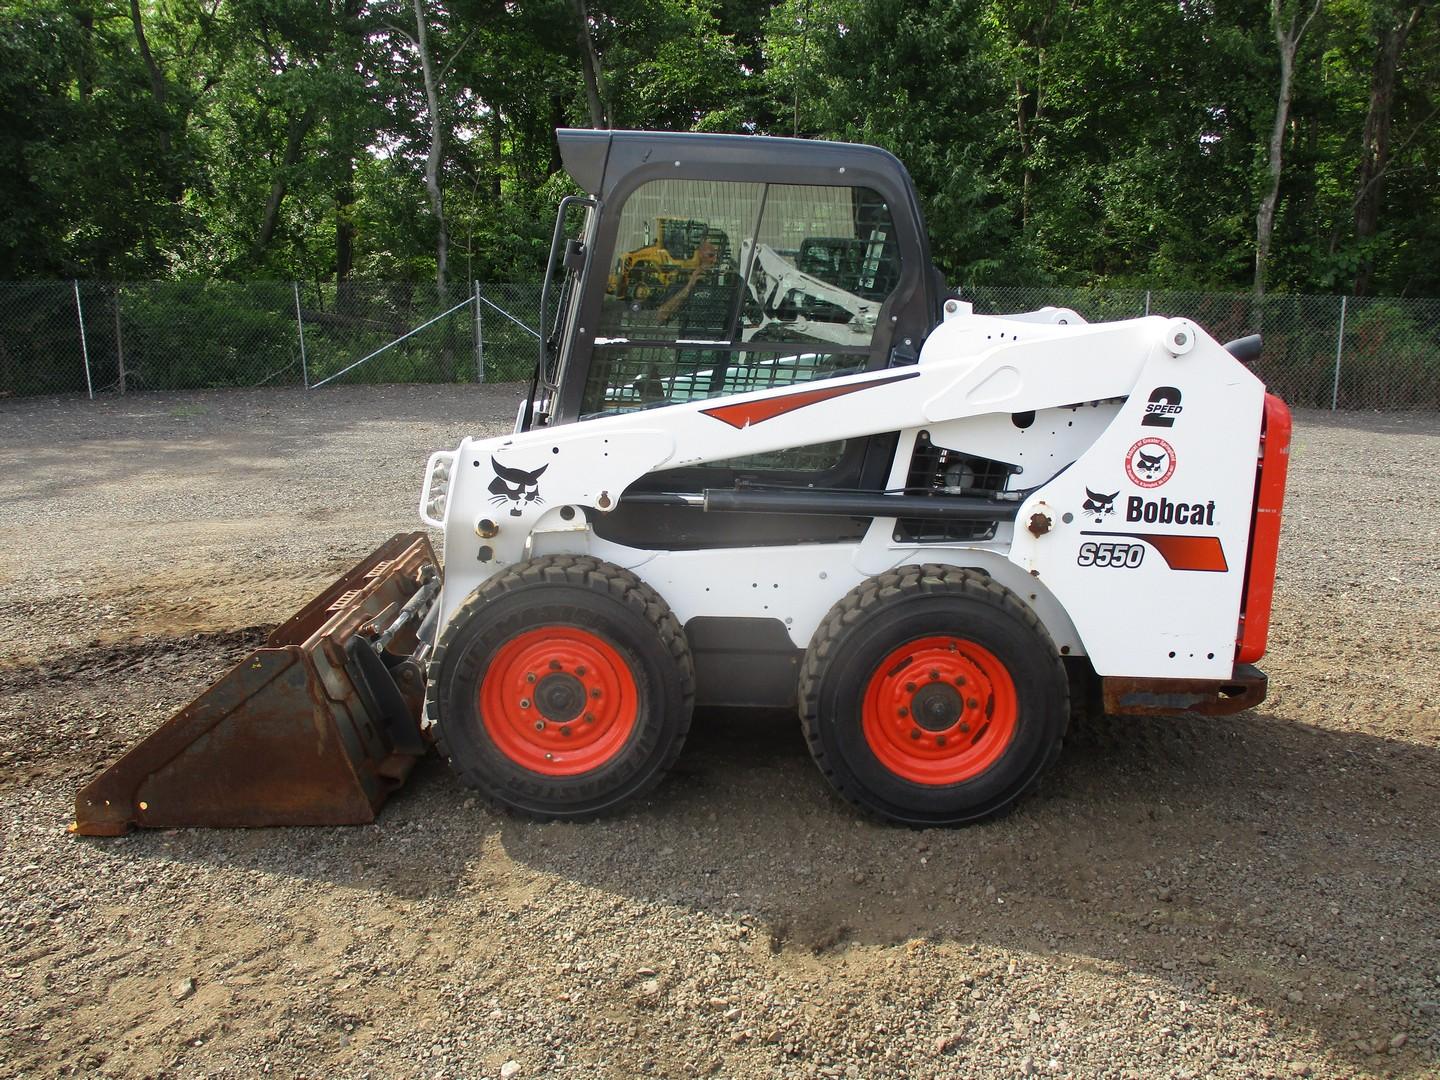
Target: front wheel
[
  {"x": 930, "y": 695},
  {"x": 562, "y": 688}
]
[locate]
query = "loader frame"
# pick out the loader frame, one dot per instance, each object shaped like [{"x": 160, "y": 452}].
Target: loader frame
[{"x": 935, "y": 532}]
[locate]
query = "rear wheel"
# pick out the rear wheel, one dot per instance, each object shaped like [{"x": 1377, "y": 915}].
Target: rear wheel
[
  {"x": 563, "y": 687},
  {"x": 931, "y": 695}
]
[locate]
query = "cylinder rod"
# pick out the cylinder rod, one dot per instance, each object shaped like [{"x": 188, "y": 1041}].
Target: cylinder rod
[{"x": 859, "y": 504}]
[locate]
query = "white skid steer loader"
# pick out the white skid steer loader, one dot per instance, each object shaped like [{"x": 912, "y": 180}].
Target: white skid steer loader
[{"x": 799, "y": 476}]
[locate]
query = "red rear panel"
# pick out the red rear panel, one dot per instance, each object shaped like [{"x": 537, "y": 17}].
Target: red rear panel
[{"x": 1264, "y": 532}]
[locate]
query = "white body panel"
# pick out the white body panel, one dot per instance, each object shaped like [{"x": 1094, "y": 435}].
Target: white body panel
[{"x": 1089, "y": 386}]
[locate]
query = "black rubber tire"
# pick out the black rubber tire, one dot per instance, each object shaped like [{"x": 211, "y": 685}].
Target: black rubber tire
[
  {"x": 884, "y": 613},
  {"x": 604, "y": 600}
]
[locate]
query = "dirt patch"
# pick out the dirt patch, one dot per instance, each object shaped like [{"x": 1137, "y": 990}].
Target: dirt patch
[{"x": 1252, "y": 896}]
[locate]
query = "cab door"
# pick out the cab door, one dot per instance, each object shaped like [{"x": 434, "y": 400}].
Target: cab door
[{"x": 710, "y": 277}]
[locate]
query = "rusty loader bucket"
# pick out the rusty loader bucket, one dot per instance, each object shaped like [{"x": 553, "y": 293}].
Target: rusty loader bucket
[{"x": 315, "y": 728}]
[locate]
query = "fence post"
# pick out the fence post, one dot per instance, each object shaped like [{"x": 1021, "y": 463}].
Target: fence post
[
  {"x": 84, "y": 346},
  {"x": 1147, "y": 303},
  {"x": 479, "y": 333},
  {"x": 300, "y": 326},
  {"x": 119, "y": 341},
  {"x": 1339, "y": 349}
]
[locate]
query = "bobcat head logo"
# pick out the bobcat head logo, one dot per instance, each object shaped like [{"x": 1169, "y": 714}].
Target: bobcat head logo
[
  {"x": 515, "y": 486},
  {"x": 1149, "y": 465},
  {"x": 1099, "y": 506}
]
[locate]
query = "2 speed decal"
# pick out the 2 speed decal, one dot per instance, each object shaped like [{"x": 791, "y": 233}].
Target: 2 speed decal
[
  {"x": 1162, "y": 408},
  {"x": 1150, "y": 463}
]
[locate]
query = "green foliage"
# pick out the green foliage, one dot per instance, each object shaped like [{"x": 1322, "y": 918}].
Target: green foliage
[
  {"x": 1116, "y": 142},
  {"x": 1406, "y": 348},
  {"x": 209, "y": 334}
]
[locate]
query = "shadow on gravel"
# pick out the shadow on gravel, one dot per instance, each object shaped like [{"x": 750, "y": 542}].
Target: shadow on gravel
[
  {"x": 1285, "y": 864},
  {"x": 422, "y": 848}
]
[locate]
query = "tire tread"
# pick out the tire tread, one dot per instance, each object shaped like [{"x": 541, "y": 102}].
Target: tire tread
[
  {"x": 594, "y": 575},
  {"x": 859, "y": 603}
]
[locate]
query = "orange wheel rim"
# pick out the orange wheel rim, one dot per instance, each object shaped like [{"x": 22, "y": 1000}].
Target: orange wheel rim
[
  {"x": 559, "y": 701},
  {"x": 939, "y": 710}
]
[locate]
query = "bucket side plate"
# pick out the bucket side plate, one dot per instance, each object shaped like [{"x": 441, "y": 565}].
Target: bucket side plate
[{"x": 287, "y": 736}]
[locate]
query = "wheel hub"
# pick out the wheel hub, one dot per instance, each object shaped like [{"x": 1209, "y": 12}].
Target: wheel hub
[
  {"x": 560, "y": 697},
  {"x": 940, "y": 710},
  {"x": 936, "y": 707},
  {"x": 559, "y": 700}
]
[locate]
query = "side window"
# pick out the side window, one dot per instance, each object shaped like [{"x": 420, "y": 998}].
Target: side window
[{"x": 718, "y": 288}]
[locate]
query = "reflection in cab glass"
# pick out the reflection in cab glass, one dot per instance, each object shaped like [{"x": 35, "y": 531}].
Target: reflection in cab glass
[{"x": 718, "y": 288}]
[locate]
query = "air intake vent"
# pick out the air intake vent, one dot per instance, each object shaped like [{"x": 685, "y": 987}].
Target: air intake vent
[{"x": 936, "y": 470}]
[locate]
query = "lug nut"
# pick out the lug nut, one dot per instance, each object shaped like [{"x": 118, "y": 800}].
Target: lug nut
[
  {"x": 554, "y": 665},
  {"x": 524, "y": 702},
  {"x": 580, "y": 671},
  {"x": 939, "y": 740},
  {"x": 915, "y": 733},
  {"x": 964, "y": 729},
  {"x": 959, "y": 680},
  {"x": 589, "y": 717},
  {"x": 530, "y": 676},
  {"x": 595, "y": 693},
  {"x": 909, "y": 688},
  {"x": 934, "y": 675},
  {"x": 565, "y": 731},
  {"x": 972, "y": 703},
  {"x": 539, "y": 725}
]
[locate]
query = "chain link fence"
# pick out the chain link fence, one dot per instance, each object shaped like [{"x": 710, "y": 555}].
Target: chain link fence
[
  {"x": 1328, "y": 352},
  {"x": 103, "y": 337}
]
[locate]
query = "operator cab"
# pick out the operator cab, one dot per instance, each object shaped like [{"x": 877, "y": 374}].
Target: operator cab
[{"x": 712, "y": 265}]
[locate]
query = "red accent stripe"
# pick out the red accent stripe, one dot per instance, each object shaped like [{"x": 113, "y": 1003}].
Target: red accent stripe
[
  {"x": 1204, "y": 553},
  {"x": 1264, "y": 532},
  {"x": 744, "y": 413},
  {"x": 1189, "y": 552}
]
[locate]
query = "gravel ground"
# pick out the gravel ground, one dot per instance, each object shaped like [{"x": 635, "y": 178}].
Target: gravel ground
[{"x": 1245, "y": 897}]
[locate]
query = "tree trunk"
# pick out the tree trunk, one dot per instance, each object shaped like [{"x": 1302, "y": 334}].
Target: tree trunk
[
  {"x": 1030, "y": 40},
  {"x": 1027, "y": 174},
  {"x": 1375, "y": 141},
  {"x": 344, "y": 144},
  {"x": 159, "y": 92},
  {"x": 590, "y": 66},
  {"x": 345, "y": 225},
  {"x": 557, "y": 120},
  {"x": 497, "y": 151},
  {"x": 85, "y": 69},
  {"x": 437, "y": 149},
  {"x": 1288, "y": 40},
  {"x": 295, "y": 132}
]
